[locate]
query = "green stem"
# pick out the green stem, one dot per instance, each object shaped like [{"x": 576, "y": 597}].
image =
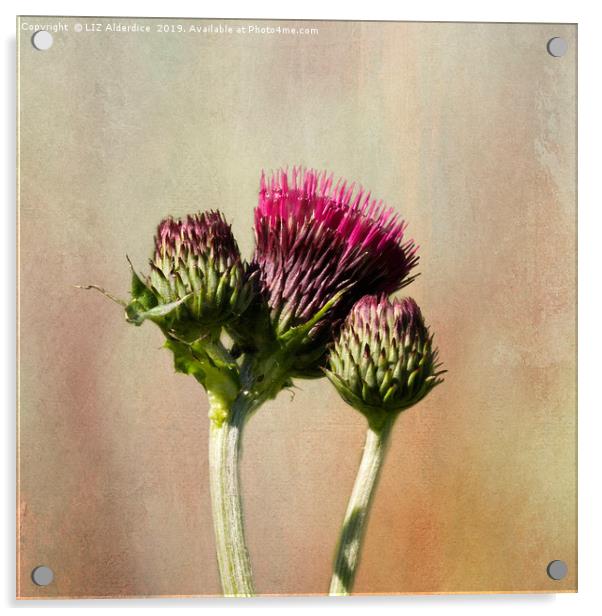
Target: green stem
[
  {"x": 350, "y": 541},
  {"x": 261, "y": 379},
  {"x": 224, "y": 450}
]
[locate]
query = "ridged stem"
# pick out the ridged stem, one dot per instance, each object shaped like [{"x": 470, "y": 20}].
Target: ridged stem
[
  {"x": 352, "y": 532},
  {"x": 224, "y": 450},
  {"x": 261, "y": 379}
]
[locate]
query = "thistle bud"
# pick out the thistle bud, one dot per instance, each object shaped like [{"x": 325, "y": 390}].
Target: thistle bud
[
  {"x": 383, "y": 360},
  {"x": 320, "y": 247},
  {"x": 197, "y": 279}
]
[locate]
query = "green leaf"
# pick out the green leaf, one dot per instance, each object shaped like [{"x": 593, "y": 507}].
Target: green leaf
[
  {"x": 140, "y": 292},
  {"x": 184, "y": 360},
  {"x": 299, "y": 333},
  {"x": 137, "y": 316}
]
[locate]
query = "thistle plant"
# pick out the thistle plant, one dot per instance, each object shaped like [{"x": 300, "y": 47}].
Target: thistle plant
[
  {"x": 382, "y": 363},
  {"x": 244, "y": 331}
]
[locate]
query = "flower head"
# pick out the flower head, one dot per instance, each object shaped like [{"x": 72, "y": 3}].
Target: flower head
[
  {"x": 197, "y": 276},
  {"x": 383, "y": 360},
  {"x": 317, "y": 242},
  {"x": 203, "y": 236}
]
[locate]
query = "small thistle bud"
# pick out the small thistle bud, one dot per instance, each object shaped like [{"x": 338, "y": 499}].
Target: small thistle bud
[
  {"x": 197, "y": 277},
  {"x": 320, "y": 247},
  {"x": 383, "y": 360}
]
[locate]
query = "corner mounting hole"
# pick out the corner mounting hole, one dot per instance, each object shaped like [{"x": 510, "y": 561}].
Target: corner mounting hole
[
  {"x": 557, "y": 569},
  {"x": 42, "y": 40},
  {"x": 557, "y": 47},
  {"x": 42, "y": 576}
]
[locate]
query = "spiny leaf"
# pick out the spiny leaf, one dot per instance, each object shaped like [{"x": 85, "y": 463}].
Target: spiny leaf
[{"x": 157, "y": 312}]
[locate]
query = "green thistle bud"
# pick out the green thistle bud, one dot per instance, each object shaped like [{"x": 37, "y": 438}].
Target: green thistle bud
[
  {"x": 197, "y": 282},
  {"x": 383, "y": 360}
]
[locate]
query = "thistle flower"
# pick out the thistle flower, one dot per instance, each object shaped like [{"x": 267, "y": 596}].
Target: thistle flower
[
  {"x": 319, "y": 245},
  {"x": 382, "y": 363},
  {"x": 197, "y": 277},
  {"x": 383, "y": 360}
]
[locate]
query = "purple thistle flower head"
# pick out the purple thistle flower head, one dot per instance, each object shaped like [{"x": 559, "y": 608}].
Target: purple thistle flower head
[
  {"x": 206, "y": 235},
  {"x": 383, "y": 360},
  {"x": 315, "y": 239},
  {"x": 383, "y": 321}
]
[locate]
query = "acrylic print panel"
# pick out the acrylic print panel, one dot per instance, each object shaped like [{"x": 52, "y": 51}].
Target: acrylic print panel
[{"x": 135, "y": 477}]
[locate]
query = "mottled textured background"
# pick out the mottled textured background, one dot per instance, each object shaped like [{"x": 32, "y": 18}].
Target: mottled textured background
[{"x": 469, "y": 131}]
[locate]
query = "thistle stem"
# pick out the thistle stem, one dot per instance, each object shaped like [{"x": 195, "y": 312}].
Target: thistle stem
[
  {"x": 350, "y": 541},
  {"x": 224, "y": 451}
]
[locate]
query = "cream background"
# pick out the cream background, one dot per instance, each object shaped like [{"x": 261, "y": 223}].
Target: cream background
[{"x": 469, "y": 131}]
